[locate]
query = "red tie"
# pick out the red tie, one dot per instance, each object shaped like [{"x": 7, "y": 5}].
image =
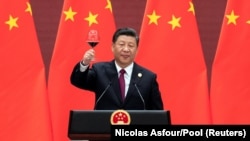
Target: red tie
[{"x": 122, "y": 83}]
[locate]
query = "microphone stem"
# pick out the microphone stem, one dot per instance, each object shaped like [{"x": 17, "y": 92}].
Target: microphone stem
[{"x": 140, "y": 97}]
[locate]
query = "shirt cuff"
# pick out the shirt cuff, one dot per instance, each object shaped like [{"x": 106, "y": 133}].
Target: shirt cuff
[{"x": 83, "y": 67}]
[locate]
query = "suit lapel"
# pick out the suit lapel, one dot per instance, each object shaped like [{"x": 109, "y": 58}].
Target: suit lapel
[
  {"x": 112, "y": 74},
  {"x": 135, "y": 80}
]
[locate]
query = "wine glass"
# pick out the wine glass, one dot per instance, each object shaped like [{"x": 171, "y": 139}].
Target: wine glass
[{"x": 93, "y": 39}]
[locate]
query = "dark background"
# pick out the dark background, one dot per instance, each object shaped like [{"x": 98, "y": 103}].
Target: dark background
[{"x": 209, "y": 15}]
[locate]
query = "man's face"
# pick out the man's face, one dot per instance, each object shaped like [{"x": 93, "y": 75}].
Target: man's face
[{"x": 124, "y": 50}]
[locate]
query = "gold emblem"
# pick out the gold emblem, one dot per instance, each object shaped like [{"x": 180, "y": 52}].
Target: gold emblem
[{"x": 120, "y": 117}]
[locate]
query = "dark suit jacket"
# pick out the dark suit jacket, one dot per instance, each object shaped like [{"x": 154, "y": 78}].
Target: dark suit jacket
[{"x": 102, "y": 79}]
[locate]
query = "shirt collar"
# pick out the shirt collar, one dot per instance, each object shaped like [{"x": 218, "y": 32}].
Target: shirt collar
[{"x": 128, "y": 69}]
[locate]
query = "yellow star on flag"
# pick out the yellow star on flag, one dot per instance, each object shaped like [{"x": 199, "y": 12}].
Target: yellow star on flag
[
  {"x": 12, "y": 22},
  {"x": 28, "y": 9},
  {"x": 232, "y": 18},
  {"x": 109, "y": 6},
  {"x": 191, "y": 8},
  {"x": 175, "y": 22},
  {"x": 92, "y": 19},
  {"x": 69, "y": 14},
  {"x": 153, "y": 18}
]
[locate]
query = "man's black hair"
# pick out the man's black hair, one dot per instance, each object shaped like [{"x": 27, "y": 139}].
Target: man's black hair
[{"x": 125, "y": 31}]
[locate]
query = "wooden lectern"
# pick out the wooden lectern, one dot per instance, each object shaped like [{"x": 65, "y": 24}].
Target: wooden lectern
[{"x": 95, "y": 125}]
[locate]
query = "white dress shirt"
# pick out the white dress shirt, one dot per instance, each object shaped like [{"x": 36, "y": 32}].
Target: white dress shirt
[{"x": 127, "y": 75}]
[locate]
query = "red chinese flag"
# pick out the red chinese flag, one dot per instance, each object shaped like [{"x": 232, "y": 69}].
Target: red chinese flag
[
  {"x": 170, "y": 46},
  {"x": 77, "y": 19},
  {"x": 23, "y": 95},
  {"x": 230, "y": 84}
]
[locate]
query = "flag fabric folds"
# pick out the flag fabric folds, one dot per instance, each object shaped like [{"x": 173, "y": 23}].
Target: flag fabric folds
[
  {"x": 170, "y": 46},
  {"x": 230, "y": 82},
  {"x": 77, "y": 19},
  {"x": 23, "y": 95}
]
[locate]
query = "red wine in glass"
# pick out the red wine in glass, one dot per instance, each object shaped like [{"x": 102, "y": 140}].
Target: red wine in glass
[
  {"x": 92, "y": 44},
  {"x": 93, "y": 38}
]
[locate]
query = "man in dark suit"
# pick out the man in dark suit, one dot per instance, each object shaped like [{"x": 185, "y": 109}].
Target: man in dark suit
[{"x": 141, "y": 90}]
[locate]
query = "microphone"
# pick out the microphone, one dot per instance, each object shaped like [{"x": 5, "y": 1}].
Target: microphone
[
  {"x": 105, "y": 90},
  {"x": 140, "y": 96}
]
